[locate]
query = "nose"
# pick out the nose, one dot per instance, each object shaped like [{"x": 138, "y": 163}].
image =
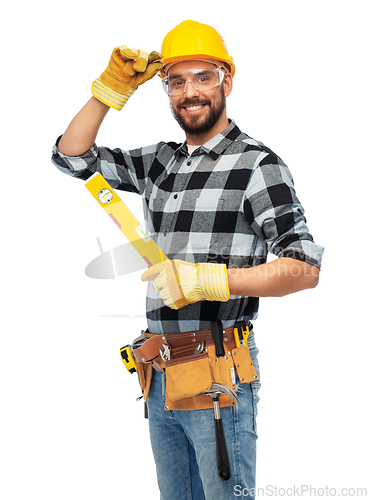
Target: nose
[{"x": 190, "y": 90}]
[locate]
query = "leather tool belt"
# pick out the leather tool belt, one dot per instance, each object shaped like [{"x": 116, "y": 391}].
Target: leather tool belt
[{"x": 189, "y": 375}]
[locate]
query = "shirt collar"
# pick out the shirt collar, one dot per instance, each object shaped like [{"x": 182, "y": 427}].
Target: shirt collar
[{"x": 215, "y": 146}]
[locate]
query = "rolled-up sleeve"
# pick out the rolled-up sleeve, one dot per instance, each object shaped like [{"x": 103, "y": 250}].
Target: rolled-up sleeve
[
  {"x": 74, "y": 165},
  {"x": 125, "y": 170},
  {"x": 275, "y": 213}
]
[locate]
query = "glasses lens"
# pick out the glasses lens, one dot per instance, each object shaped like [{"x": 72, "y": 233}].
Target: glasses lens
[{"x": 201, "y": 79}]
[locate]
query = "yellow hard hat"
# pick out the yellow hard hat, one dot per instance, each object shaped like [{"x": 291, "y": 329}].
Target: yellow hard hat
[{"x": 191, "y": 40}]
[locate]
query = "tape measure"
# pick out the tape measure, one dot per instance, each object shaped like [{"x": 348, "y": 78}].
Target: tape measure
[{"x": 127, "y": 356}]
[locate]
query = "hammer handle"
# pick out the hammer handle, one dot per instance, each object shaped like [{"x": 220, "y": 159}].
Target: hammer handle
[
  {"x": 218, "y": 337},
  {"x": 223, "y": 464}
]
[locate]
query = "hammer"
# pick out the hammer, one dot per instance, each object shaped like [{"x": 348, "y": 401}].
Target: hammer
[{"x": 223, "y": 464}]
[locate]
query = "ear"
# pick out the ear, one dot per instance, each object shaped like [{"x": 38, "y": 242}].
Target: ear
[{"x": 228, "y": 84}]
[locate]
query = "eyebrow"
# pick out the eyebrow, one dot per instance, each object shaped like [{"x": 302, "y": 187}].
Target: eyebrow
[
  {"x": 199, "y": 71},
  {"x": 174, "y": 76}
]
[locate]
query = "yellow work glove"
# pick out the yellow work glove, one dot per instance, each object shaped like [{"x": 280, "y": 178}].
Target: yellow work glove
[
  {"x": 127, "y": 69},
  {"x": 181, "y": 283}
]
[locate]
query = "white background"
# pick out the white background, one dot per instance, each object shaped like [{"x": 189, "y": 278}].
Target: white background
[{"x": 70, "y": 425}]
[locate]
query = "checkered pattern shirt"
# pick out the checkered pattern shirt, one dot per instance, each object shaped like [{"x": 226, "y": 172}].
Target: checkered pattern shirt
[{"x": 231, "y": 201}]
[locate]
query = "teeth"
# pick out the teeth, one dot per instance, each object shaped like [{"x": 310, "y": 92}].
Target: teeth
[{"x": 194, "y": 108}]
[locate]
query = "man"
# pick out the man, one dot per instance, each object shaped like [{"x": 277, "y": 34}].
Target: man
[{"x": 216, "y": 205}]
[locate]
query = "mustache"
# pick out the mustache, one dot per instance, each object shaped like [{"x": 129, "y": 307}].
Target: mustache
[{"x": 192, "y": 102}]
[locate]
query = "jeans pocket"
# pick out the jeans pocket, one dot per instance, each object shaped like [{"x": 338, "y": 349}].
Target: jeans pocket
[{"x": 255, "y": 386}]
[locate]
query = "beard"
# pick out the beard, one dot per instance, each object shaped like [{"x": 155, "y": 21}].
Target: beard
[{"x": 194, "y": 125}]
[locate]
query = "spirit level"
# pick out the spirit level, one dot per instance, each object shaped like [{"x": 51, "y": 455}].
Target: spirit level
[{"x": 124, "y": 219}]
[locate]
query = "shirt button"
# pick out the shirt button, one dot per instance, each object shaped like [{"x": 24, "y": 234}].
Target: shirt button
[
  {"x": 175, "y": 196},
  {"x": 189, "y": 162}
]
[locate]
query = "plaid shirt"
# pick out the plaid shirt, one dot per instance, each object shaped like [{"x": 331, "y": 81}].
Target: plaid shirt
[{"x": 232, "y": 201}]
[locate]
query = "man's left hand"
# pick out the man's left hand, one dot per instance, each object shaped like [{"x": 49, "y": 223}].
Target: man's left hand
[{"x": 181, "y": 283}]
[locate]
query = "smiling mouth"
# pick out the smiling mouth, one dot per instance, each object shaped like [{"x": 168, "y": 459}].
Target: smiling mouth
[{"x": 194, "y": 108}]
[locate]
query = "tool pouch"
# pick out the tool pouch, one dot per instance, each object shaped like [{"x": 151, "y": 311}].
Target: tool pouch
[
  {"x": 189, "y": 377},
  {"x": 244, "y": 364},
  {"x": 145, "y": 376}
]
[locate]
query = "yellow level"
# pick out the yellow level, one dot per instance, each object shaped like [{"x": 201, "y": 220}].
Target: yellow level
[{"x": 124, "y": 219}]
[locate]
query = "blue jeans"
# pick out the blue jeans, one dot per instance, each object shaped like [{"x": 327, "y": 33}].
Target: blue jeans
[{"x": 184, "y": 445}]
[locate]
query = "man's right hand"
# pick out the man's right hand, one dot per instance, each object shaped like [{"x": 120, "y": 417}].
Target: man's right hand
[{"x": 127, "y": 69}]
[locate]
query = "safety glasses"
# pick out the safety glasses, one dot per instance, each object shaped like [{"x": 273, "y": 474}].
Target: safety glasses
[{"x": 201, "y": 79}]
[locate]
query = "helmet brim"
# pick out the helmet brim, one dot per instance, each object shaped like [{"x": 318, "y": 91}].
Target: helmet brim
[{"x": 168, "y": 62}]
